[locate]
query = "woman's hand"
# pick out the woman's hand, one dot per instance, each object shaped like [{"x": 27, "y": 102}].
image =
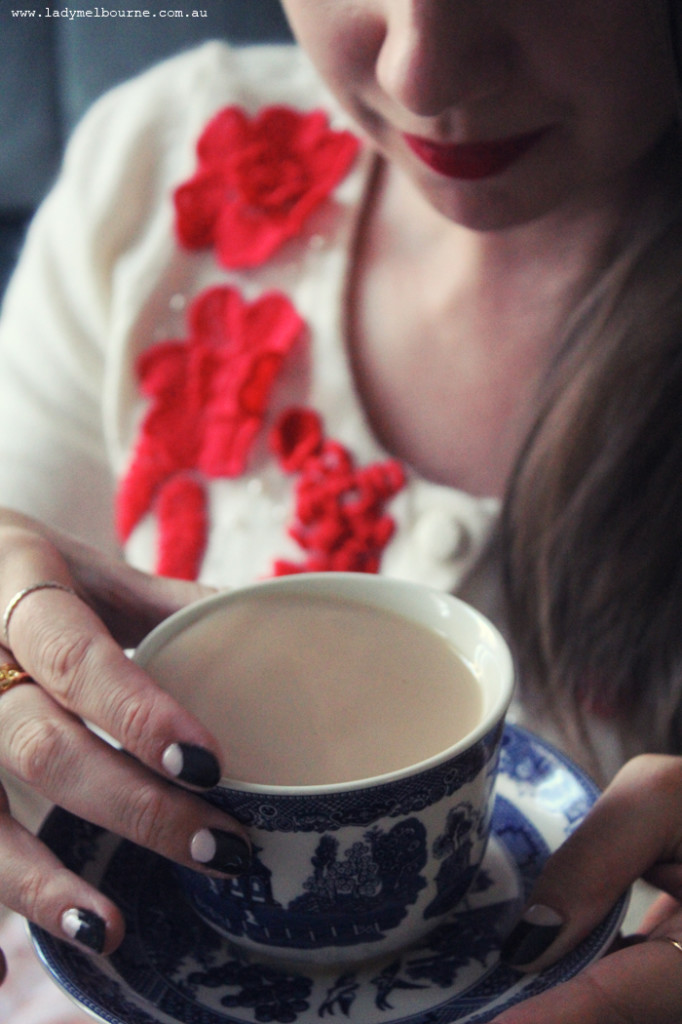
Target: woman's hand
[
  {"x": 71, "y": 645},
  {"x": 634, "y": 830}
]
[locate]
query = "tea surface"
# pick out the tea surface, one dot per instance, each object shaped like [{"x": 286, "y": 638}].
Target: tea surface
[{"x": 304, "y": 691}]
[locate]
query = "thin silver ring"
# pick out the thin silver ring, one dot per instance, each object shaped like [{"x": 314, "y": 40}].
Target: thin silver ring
[{"x": 20, "y": 595}]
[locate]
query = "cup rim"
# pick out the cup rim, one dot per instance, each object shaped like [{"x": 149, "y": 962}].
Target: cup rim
[{"x": 185, "y": 617}]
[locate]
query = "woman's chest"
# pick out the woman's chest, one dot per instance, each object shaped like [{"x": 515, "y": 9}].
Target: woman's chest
[{"x": 452, "y": 404}]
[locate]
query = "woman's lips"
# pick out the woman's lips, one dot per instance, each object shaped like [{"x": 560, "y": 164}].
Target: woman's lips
[{"x": 470, "y": 161}]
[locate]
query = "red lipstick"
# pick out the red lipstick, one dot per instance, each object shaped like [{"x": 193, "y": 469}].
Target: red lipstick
[{"x": 470, "y": 161}]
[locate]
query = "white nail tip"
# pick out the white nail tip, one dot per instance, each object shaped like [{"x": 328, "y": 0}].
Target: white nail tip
[
  {"x": 202, "y": 846},
  {"x": 543, "y": 916},
  {"x": 173, "y": 760},
  {"x": 71, "y": 923}
]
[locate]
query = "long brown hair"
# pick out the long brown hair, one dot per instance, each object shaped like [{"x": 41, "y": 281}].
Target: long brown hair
[{"x": 591, "y": 529}]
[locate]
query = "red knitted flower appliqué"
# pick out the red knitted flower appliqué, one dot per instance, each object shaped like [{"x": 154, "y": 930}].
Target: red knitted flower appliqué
[
  {"x": 258, "y": 180},
  {"x": 209, "y": 396},
  {"x": 341, "y": 522}
]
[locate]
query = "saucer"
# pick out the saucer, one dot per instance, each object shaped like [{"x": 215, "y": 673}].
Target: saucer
[{"x": 173, "y": 969}]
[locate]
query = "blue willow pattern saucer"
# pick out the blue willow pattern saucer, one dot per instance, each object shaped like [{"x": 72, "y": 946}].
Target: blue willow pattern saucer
[{"x": 173, "y": 969}]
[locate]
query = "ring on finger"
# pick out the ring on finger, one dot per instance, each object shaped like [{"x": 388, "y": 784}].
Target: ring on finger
[
  {"x": 668, "y": 938},
  {"x": 15, "y": 601},
  {"x": 12, "y": 675}
]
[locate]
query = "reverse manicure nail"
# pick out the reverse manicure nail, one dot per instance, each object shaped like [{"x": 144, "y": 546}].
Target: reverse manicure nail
[
  {"x": 85, "y": 927},
  {"x": 192, "y": 764},
  {"x": 222, "y": 851},
  {"x": 532, "y": 936}
]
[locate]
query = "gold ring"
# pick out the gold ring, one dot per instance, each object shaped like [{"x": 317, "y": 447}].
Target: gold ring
[
  {"x": 12, "y": 675},
  {"x": 18, "y": 597},
  {"x": 673, "y": 942}
]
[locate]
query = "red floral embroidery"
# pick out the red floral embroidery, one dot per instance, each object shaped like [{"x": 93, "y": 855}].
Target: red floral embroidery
[
  {"x": 340, "y": 519},
  {"x": 183, "y": 526},
  {"x": 258, "y": 181},
  {"x": 209, "y": 398}
]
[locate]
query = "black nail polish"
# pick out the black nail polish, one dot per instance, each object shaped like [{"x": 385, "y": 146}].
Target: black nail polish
[
  {"x": 222, "y": 851},
  {"x": 532, "y": 936},
  {"x": 85, "y": 927},
  {"x": 192, "y": 764},
  {"x": 625, "y": 941}
]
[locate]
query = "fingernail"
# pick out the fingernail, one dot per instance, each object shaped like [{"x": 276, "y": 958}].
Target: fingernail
[
  {"x": 192, "y": 764},
  {"x": 534, "y": 933},
  {"x": 624, "y": 941},
  {"x": 85, "y": 927},
  {"x": 223, "y": 851}
]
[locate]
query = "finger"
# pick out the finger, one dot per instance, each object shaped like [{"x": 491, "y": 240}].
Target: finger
[
  {"x": 641, "y": 985},
  {"x": 65, "y": 646},
  {"x": 53, "y": 753},
  {"x": 634, "y": 825},
  {"x": 668, "y": 878},
  {"x": 660, "y": 911},
  {"x": 37, "y": 885},
  {"x": 129, "y": 601}
]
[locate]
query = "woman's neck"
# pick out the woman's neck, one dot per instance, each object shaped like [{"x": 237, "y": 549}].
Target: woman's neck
[
  {"x": 565, "y": 248},
  {"x": 451, "y": 331}
]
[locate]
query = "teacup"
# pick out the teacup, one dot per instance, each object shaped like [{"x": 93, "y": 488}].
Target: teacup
[{"x": 360, "y": 719}]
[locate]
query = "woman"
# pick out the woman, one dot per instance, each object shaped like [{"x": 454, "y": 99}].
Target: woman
[{"x": 476, "y": 284}]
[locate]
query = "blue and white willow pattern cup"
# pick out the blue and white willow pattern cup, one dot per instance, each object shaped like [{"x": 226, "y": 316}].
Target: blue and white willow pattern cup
[{"x": 350, "y": 871}]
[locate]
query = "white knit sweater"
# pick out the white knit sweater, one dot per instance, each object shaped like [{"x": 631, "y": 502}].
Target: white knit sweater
[{"x": 103, "y": 279}]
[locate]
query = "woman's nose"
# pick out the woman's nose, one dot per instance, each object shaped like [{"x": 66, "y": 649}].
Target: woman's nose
[{"x": 438, "y": 54}]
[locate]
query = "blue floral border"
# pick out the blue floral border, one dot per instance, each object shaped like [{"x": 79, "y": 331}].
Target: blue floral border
[{"x": 334, "y": 810}]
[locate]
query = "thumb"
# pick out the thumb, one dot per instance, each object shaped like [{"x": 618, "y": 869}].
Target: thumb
[
  {"x": 635, "y": 826},
  {"x": 641, "y": 985}
]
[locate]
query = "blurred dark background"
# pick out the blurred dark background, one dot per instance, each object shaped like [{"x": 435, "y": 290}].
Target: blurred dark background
[{"x": 52, "y": 68}]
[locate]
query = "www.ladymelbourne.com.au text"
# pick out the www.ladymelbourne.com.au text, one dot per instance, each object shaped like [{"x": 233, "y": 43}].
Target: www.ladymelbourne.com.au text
[{"x": 74, "y": 13}]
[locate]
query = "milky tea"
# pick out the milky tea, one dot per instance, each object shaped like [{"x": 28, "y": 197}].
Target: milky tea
[
  {"x": 361, "y": 719},
  {"x": 316, "y": 690}
]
